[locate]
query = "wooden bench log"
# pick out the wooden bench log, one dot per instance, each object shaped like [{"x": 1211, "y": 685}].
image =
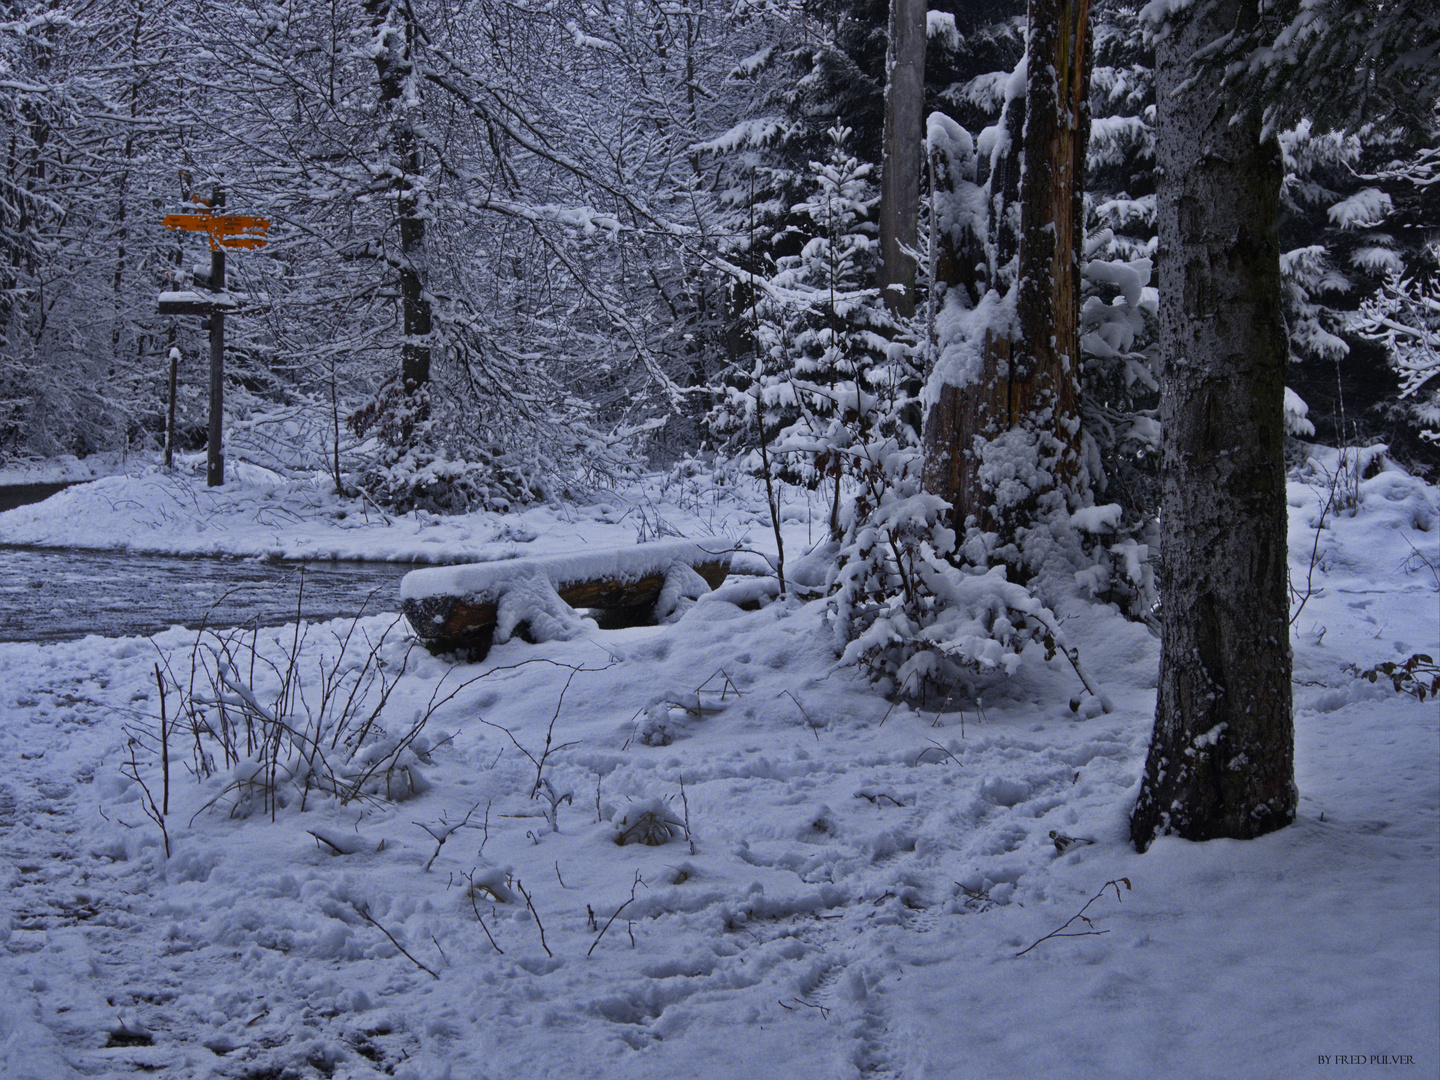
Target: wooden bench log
[{"x": 458, "y": 608}]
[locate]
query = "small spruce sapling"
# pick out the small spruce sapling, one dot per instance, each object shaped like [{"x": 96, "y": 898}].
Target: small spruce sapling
[{"x": 820, "y": 340}]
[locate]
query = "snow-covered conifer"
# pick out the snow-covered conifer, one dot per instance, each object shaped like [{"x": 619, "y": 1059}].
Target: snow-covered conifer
[
  {"x": 1405, "y": 317},
  {"x": 820, "y": 376}
]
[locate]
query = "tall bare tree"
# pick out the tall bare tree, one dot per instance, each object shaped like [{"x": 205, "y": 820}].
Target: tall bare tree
[
  {"x": 395, "y": 33},
  {"x": 900, "y": 169}
]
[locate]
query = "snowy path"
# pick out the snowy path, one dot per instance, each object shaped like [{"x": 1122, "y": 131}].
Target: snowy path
[
  {"x": 70, "y": 907},
  {"x": 821, "y": 852}
]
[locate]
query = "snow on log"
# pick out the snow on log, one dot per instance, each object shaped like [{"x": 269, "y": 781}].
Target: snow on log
[{"x": 467, "y": 607}]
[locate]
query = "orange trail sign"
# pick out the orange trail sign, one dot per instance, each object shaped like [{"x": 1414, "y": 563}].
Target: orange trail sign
[{"x": 226, "y": 230}]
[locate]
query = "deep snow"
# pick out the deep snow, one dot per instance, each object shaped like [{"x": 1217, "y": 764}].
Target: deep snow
[{"x": 863, "y": 873}]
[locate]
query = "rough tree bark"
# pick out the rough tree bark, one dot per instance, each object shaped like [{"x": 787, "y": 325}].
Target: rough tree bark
[
  {"x": 395, "y": 27},
  {"x": 1221, "y": 763},
  {"x": 900, "y": 167},
  {"x": 1031, "y": 370}
]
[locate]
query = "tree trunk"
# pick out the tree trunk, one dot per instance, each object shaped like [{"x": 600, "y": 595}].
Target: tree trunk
[
  {"x": 214, "y": 446},
  {"x": 415, "y": 353},
  {"x": 395, "y": 26},
  {"x": 1030, "y": 384},
  {"x": 1221, "y": 763},
  {"x": 900, "y": 167},
  {"x": 1044, "y": 371}
]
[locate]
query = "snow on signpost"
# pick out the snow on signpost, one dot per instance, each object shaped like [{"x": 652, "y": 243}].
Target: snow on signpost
[{"x": 239, "y": 231}]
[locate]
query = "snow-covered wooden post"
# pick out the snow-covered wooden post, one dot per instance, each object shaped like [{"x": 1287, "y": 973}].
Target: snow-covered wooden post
[
  {"x": 170, "y": 408},
  {"x": 214, "y": 448},
  {"x": 232, "y": 231}
]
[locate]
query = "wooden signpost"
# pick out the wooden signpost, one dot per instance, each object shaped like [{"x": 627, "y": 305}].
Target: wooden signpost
[{"x": 225, "y": 231}]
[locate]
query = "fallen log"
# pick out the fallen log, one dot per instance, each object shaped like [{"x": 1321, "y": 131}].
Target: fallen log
[{"x": 464, "y": 609}]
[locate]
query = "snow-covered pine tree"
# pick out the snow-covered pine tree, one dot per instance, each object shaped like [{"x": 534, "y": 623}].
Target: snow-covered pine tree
[
  {"x": 1349, "y": 216},
  {"x": 1404, "y": 316},
  {"x": 1351, "y": 87},
  {"x": 839, "y": 340},
  {"x": 1316, "y": 166},
  {"x": 819, "y": 380},
  {"x": 1118, "y": 328},
  {"x": 1002, "y": 432},
  {"x": 1353, "y": 219}
]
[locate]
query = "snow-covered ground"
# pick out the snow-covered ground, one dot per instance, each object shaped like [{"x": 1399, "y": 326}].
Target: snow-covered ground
[{"x": 847, "y": 882}]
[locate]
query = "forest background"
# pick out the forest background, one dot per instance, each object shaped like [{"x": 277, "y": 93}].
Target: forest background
[{"x": 603, "y": 213}]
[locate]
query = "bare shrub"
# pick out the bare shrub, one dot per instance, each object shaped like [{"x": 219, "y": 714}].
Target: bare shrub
[{"x": 279, "y": 721}]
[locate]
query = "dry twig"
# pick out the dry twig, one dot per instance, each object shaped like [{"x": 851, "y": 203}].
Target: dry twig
[
  {"x": 1059, "y": 931},
  {"x": 364, "y": 911},
  {"x": 538, "y": 924},
  {"x": 634, "y": 885}
]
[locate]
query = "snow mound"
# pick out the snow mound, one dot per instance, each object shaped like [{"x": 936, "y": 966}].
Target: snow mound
[{"x": 489, "y": 581}]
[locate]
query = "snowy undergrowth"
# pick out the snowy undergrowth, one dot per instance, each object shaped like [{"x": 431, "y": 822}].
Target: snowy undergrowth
[
  {"x": 861, "y": 880},
  {"x": 265, "y": 720}
]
